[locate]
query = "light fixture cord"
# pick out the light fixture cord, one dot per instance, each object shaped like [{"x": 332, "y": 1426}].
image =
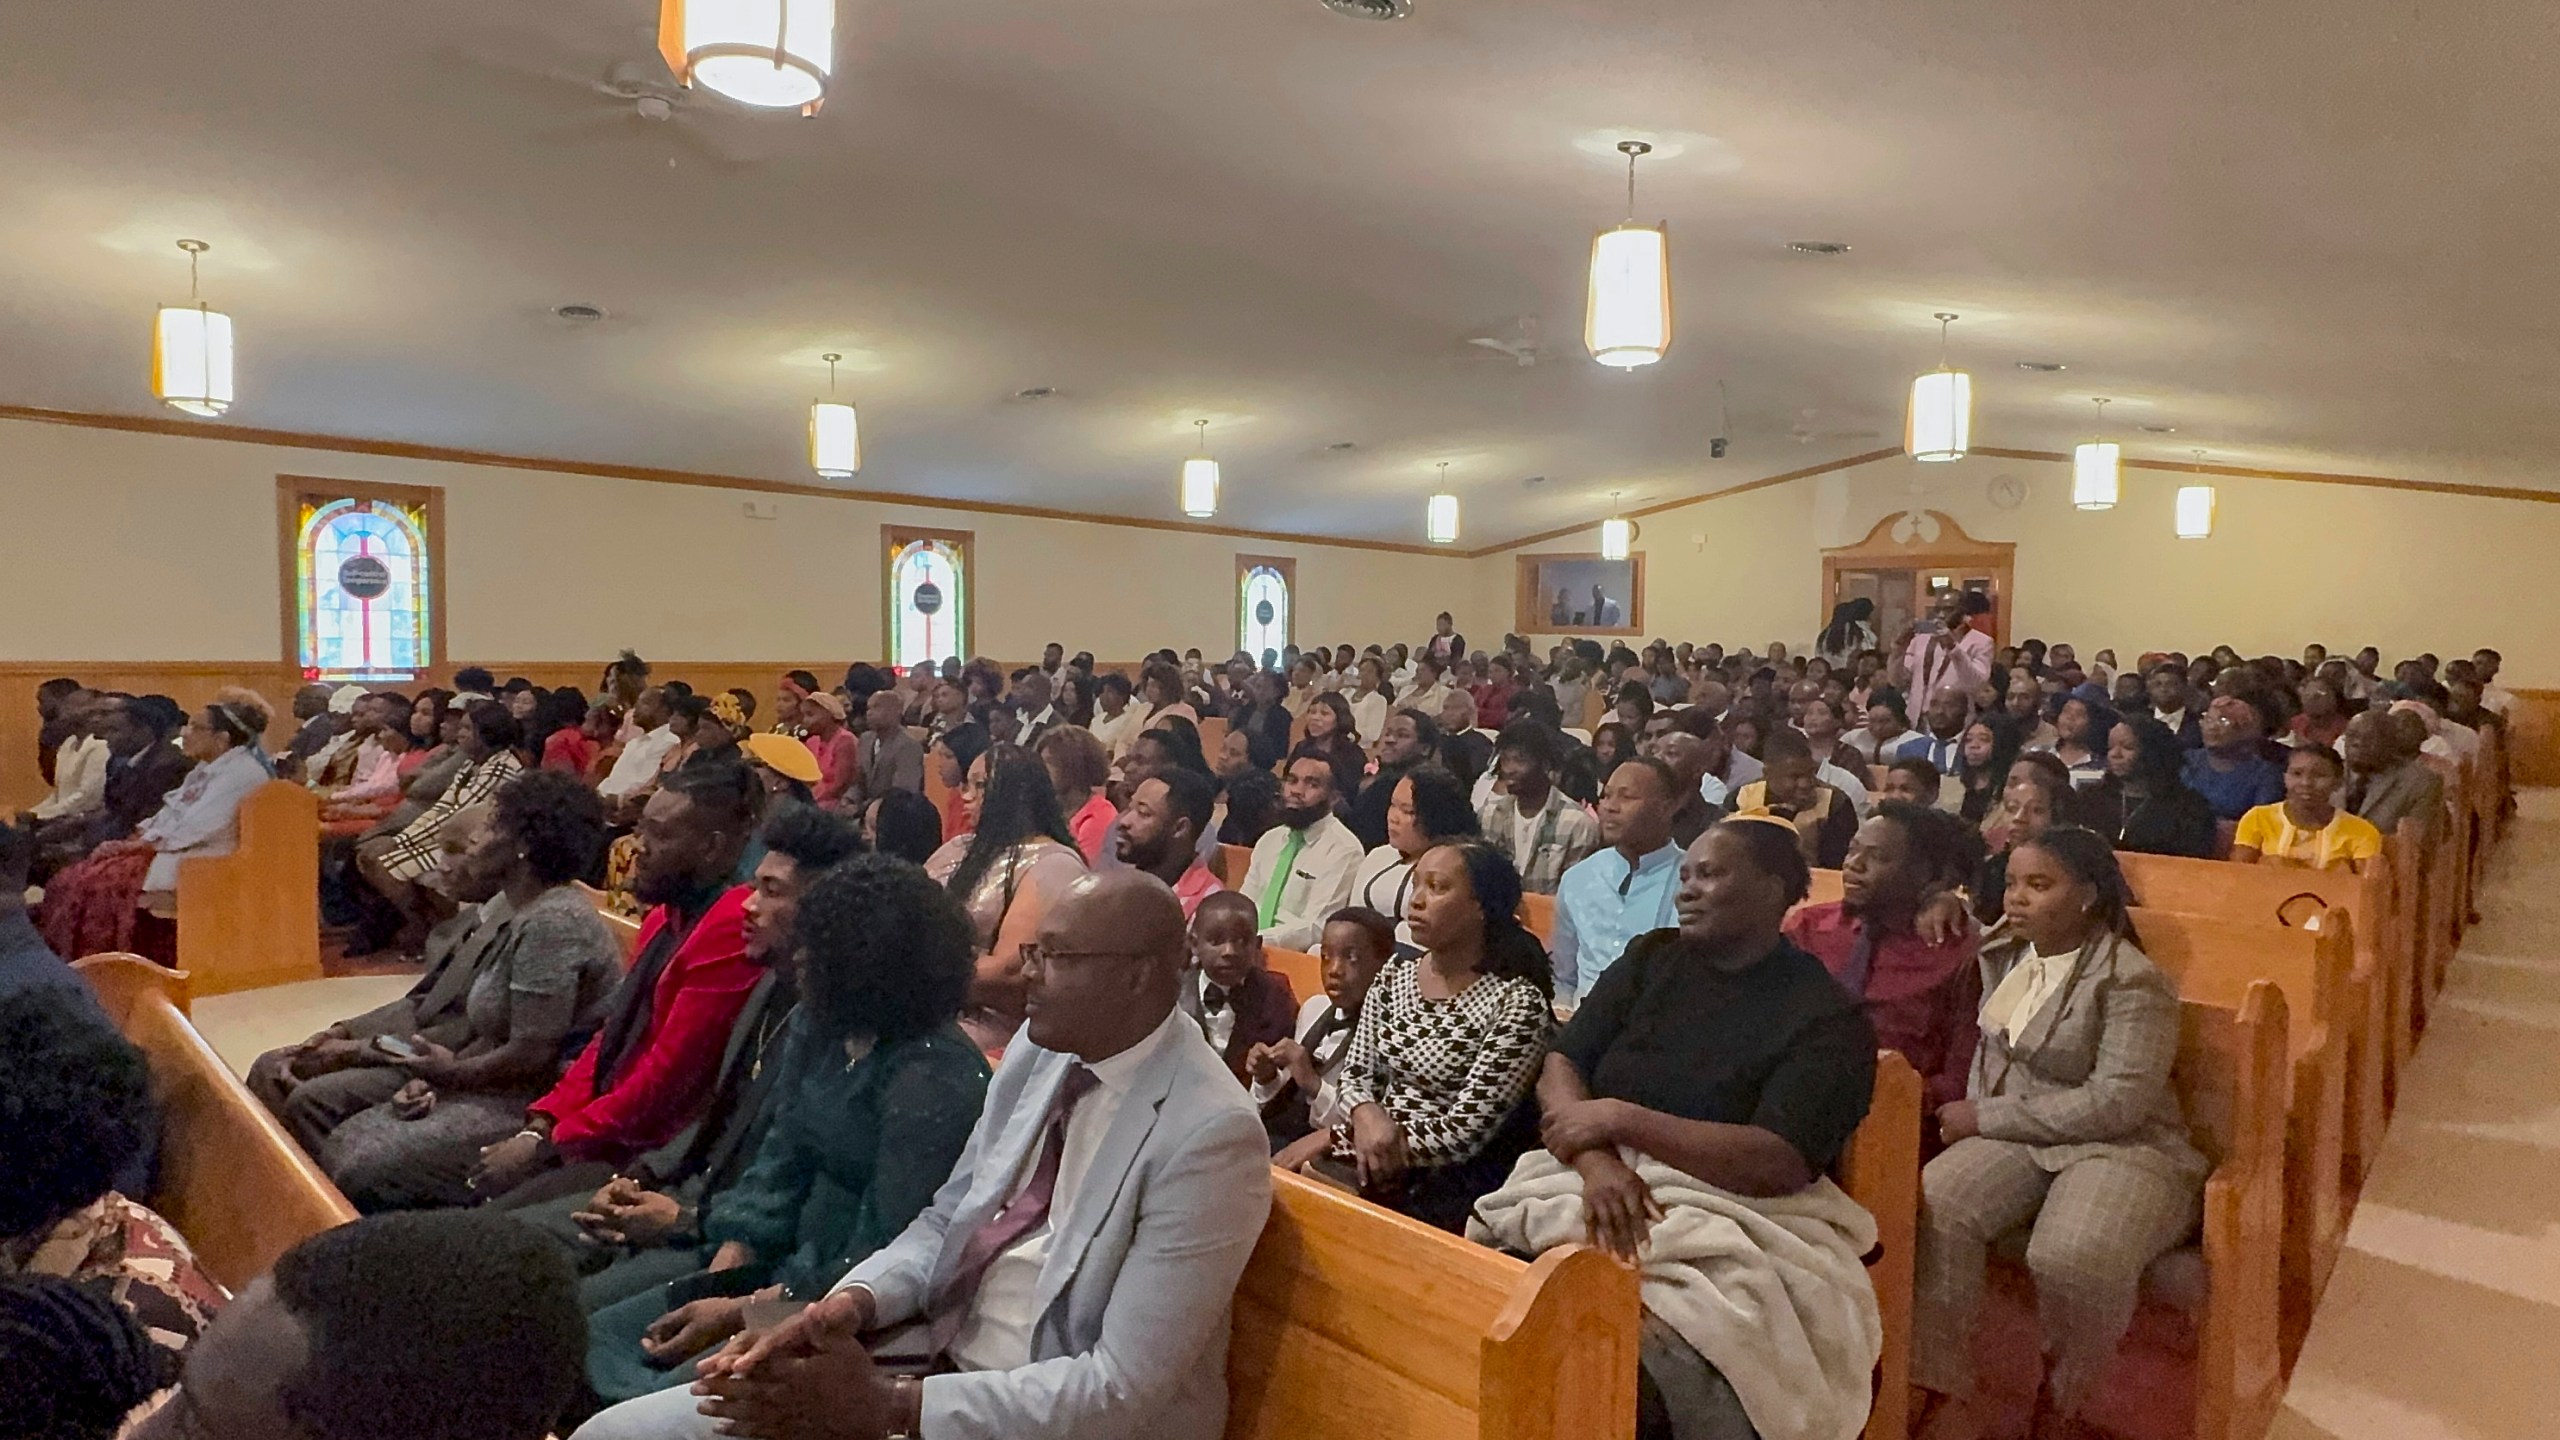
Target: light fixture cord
[
  {"x": 2102, "y": 414},
  {"x": 1944, "y": 320},
  {"x": 1631, "y": 185},
  {"x": 831, "y": 374},
  {"x": 195, "y": 291}
]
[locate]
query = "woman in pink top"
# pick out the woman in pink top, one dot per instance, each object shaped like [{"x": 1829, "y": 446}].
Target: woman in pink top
[{"x": 1079, "y": 768}]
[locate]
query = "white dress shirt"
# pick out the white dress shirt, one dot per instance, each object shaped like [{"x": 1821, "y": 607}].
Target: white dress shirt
[
  {"x": 79, "y": 779},
  {"x": 638, "y": 764},
  {"x": 997, "y": 1333},
  {"x": 1218, "y": 1024},
  {"x": 1324, "y": 1108},
  {"x": 1369, "y": 713},
  {"x": 1318, "y": 883},
  {"x": 2025, "y": 991}
]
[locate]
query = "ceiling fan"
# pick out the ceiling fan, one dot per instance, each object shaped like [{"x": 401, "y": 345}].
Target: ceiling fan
[
  {"x": 629, "y": 99},
  {"x": 1807, "y": 429},
  {"x": 1522, "y": 347}
]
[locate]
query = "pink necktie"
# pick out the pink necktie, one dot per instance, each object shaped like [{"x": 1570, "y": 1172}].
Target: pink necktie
[{"x": 1024, "y": 1213}]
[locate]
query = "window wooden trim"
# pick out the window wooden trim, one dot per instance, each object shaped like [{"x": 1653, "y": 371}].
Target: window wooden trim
[
  {"x": 290, "y": 492},
  {"x": 962, "y": 542},
  {"x": 1529, "y": 612},
  {"x": 1246, "y": 565}
]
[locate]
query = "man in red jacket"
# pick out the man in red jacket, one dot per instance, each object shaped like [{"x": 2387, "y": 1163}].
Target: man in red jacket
[{"x": 652, "y": 1063}]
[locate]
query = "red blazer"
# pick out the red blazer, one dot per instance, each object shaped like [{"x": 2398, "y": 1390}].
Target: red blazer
[{"x": 664, "y": 1086}]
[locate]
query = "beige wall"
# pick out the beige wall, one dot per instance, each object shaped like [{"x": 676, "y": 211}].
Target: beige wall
[
  {"x": 135, "y": 547},
  {"x": 2289, "y": 563},
  {"x": 149, "y": 547}
]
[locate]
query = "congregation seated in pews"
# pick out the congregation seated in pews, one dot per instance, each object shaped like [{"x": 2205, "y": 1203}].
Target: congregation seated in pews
[{"x": 944, "y": 1080}]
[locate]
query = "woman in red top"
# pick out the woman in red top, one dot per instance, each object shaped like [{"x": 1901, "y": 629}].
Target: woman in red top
[
  {"x": 838, "y": 749},
  {"x": 651, "y": 1066},
  {"x": 2323, "y": 719}
]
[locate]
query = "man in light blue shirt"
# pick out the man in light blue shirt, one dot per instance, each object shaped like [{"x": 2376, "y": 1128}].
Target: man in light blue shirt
[{"x": 1620, "y": 893}]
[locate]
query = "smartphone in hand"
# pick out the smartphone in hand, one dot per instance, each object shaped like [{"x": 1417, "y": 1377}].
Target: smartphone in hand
[{"x": 397, "y": 1047}]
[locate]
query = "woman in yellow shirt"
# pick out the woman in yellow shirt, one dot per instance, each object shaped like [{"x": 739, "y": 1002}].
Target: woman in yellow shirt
[{"x": 2306, "y": 829}]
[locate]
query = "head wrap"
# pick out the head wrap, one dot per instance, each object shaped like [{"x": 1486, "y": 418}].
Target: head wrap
[
  {"x": 342, "y": 701},
  {"x": 830, "y": 702},
  {"x": 726, "y": 710}
]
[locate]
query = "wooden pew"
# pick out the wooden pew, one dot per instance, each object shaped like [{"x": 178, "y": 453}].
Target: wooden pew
[
  {"x": 1352, "y": 1320},
  {"x": 1538, "y": 912},
  {"x": 1304, "y": 972},
  {"x": 2218, "y": 962},
  {"x": 252, "y": 918},
  {"x": 1213, "y": 733},
  {"x": 625, "y": 929},
  {"x": 1355, "y": 1321},
  {"x": 2231, "y": 1082},
  {"x": 1233, "y": 862},
  {"x": 1881, "y": 1171},
  {"x": 231, "y": 1179},
  {"x": 2272, "y": 895}
]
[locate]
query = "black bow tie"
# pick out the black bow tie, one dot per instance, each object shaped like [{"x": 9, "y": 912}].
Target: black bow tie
[{"x": 1212, "y": 998}]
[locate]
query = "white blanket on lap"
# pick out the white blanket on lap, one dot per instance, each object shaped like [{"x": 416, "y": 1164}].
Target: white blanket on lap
[{"x": 1774, "y": 1293}]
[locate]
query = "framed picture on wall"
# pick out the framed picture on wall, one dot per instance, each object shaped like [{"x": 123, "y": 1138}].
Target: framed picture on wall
[{"x": 1579, "y": 594}]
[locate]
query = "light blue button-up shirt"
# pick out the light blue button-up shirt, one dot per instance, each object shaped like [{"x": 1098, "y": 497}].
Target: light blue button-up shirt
[{"x": 1602, "y": 904}]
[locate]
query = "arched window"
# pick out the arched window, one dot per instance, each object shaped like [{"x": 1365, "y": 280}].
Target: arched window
[
  {"x": 928, "y": 600},
  {"x": 365, "y": 601},
  {"x": 1265, "y": 602}
]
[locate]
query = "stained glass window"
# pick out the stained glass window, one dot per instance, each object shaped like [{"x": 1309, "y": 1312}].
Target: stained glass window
[
  {"x": 361, "y": 569},
  {"x": 1262, "y": 615},
  {"x": 928, "y": 598}
]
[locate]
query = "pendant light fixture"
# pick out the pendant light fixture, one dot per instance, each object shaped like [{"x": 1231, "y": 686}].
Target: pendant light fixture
[
  {"x": 2195, "y": 508},
  {"x": 1939, "y": 425},
  {"x": 191, "y": 349},
  {"x": 1617, "y": 533},
  {"x": 1200, "y": 480},
  {"x": 1440, "y": 516},
  {"x": 1628, "y": 322},
  {"x": 774, "y": 54},
  {"x": 2097, "y": 469},
  {"x": 835, "y": 435}
]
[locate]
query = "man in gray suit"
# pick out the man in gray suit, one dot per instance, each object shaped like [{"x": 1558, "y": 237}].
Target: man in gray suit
[{"x": 1075, "y": 1275}]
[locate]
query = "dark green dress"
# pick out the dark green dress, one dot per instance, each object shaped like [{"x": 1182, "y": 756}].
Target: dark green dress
[{"x": 855, "y": 1152}]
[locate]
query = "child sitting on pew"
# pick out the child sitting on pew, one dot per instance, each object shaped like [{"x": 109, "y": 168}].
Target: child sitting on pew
[
  {"x": 1239, "y": 1003},
  {"x": 1294, "y": 1078}
]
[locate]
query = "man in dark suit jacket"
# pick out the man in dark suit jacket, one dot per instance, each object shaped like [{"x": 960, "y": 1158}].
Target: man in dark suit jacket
[{"x": 1238, "y": 1001}]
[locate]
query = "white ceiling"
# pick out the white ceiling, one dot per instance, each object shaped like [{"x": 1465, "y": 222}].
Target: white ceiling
[{"x": 2310, "y": 234}]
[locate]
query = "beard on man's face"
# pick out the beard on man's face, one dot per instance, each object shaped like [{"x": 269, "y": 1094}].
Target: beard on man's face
[
  {"x": 1300, "y": 817},
  {"x": 663, "y": 882}
]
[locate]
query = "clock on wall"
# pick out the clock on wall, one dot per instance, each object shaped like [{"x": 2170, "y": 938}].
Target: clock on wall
[{"x": 2007, "y": 492}]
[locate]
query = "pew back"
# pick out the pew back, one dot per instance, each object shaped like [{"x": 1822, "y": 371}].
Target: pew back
[
  {"x": 1233, "y": 862},
  {"x": 1352, "y": 1320},
  {"x": 251, "y": 918},
  {"x": 1304, "y": 972},
  {"x": 231, "y": 1179},
  {"x": 1881, "y": 1171},
  {"x": 2231, "y": 1081}
]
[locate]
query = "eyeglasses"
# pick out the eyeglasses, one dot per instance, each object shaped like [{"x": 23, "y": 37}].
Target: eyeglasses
[{"x": 1044, "y": 957}]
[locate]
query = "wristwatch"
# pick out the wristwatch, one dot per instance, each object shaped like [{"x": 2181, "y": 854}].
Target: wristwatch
[{"x": 906, "y": 1408}]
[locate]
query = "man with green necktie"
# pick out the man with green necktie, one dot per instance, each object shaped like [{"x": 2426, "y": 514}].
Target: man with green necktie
[{"x": 1301, "y": 870}]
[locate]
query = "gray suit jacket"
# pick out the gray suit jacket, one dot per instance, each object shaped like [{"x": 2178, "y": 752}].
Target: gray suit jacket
[
  {"x": 2089, "y": 1075},
  {"x": 1136, "y": 1294},
  {"x": 2406, "y": 789}
]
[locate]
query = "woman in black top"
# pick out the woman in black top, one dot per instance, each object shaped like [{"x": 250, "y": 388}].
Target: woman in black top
[
  {"x": 1718, "y": 1049},
  {"x": 2143, "y": 805},
  {"x": 1983, "y": 758}
]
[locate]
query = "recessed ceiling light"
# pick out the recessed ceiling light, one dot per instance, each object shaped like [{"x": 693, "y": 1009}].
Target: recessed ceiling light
[
  {"x": 577, "y": 314},
  {"x": 2043, "y": 367},
  {"x": 1371, "y": 9},
  {"x": 2160, "y": 429},
  {"x": 1818, "y": 247},
  {"x": 1035, "y": 392}
]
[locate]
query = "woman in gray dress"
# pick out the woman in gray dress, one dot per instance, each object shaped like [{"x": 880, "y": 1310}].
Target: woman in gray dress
[{"x": 540, "y": 990}]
